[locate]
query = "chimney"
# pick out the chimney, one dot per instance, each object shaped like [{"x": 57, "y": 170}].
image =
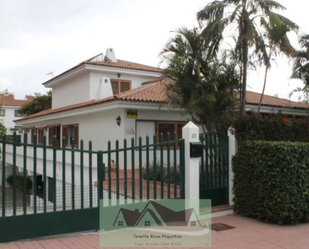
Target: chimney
[
  {"x": 110, "y": 55},
  {"x": 104, "y": 89}
]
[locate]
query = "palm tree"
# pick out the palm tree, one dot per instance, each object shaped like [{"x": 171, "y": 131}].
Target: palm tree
[
  {"x": 301, "y": 63},
  {"x": 246, "y": 16},
  {"x": 202, "y": 86},
  {"x": 278, "y": 42}
]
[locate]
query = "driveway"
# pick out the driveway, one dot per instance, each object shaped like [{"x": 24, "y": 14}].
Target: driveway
[{"x": 241, "y": 233}]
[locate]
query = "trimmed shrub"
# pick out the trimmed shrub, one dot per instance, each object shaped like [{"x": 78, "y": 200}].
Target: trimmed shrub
[
  {"x": 254, "y": 126},
  {"x": 171, "y": 178},
  {"x": 19, "y": 182},
  {"x": 271, "y": 181}
]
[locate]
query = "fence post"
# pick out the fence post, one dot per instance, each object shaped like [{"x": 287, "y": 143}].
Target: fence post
[
  {"x": 190, "y": 133},
  {"x": 100, "y": 176},
  {"x": 232, "y": 151}
]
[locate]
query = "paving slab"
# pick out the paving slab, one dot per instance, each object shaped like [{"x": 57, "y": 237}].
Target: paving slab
[{"x": 246, "y": 234}]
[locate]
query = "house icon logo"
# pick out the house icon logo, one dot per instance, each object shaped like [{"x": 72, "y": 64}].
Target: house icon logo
[{"x": 156, "y": 217}]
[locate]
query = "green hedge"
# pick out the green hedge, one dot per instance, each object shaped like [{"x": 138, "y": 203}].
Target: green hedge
[
  {"x": 277, "y": 127},
  {"x": 271, "y": 181}
]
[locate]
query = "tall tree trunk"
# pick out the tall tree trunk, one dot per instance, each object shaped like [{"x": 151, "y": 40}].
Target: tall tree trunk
[
  {"x": 244, "y": 78},
  {"x": 264, "y": 86},
  {"x": 265, "y": 79}
]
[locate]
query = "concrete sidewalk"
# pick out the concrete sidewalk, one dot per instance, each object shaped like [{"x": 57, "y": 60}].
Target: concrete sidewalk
[{"x": 246, "y": 234}]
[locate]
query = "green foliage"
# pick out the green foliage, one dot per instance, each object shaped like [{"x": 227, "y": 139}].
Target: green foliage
[
  {"x": 271, "y": 181},
  {"x": 171, "y": 177},
  {"x": 39, "y": 104},
  {"x": 3, "y": 130},
  {"x": 19, "y": 182},
  {"x": 256, "y": 27},
  {"x": 301, "y": 63},
  {"x": 17, "y": 138},
  {"x": 203, "y": 86},
  {"x": 254, "y": 126}
]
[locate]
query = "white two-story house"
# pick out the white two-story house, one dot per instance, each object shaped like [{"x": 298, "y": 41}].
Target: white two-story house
[
  {"x": 90, "y": 98},
  {"x": 107, "y": 99}
]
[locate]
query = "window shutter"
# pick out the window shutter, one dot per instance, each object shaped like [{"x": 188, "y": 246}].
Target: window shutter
[
  {"x": 125, "y": 86},
  {"x": 115, "y": 87}
]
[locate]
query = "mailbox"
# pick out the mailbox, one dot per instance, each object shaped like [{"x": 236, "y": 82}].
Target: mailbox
[{"x": 196, "y": 149}]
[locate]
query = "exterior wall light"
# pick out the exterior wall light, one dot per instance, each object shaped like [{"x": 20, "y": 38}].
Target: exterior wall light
[{"x": 118, "y": 121}]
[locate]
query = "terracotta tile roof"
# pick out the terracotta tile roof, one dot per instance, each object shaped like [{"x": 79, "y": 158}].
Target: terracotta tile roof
[
  {"x": 154, "y": 93},
  {"x": 253, "y": 98},
  {"x": 126, "y": 65},
  {"x": 9, "y": 100},
  {"x": 118, "y": 64},
  {"x": 151, "y": 92}
]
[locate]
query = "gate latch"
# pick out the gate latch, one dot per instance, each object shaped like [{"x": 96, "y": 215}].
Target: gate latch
[{"x": 196, "y": 149}]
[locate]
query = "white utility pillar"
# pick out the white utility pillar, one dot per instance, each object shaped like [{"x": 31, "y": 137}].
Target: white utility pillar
[
  {"x": 232, "y": 152},
  {"x": 190, "y": 133}
]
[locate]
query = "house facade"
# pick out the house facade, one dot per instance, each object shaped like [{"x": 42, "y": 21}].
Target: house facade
[{"x": 106, "y": 99}]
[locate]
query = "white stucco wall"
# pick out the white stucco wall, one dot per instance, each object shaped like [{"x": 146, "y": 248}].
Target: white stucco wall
[
  {"x": 136, "y": 80},
  {"x": 71, "y": 91},
  {"x": 84, "y": 86}
]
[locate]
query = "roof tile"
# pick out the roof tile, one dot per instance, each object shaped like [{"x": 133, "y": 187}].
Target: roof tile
[
  {"x": 254, "y": 99},
  {"x": 9, "y": 100},
  {"x": 155, "y": 93},
  {"x": 126, "y": 65}
]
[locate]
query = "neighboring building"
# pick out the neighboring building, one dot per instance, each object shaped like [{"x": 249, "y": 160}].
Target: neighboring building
[
  {"x": 9, "y": 110},
  {"x": 272, "y": 104}
]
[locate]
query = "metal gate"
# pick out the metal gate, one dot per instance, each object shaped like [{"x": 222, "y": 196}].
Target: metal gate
[
  {"x": 76, "y": 178},
  {"x": 214, "y": 173}
]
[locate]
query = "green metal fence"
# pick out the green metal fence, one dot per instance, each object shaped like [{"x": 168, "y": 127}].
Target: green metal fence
[
  {"x": 68, "y": 183},
  {"x": 144, "y": 169},
  {"x": 214, "y": 168}
]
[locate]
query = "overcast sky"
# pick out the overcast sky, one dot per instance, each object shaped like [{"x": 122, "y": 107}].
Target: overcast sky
[{"x": 39, "y": 36}]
